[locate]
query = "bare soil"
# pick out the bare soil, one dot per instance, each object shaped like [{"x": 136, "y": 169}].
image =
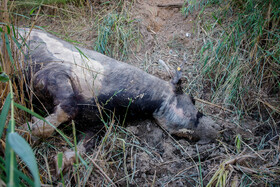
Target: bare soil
[{"x": 145, "y": 155}]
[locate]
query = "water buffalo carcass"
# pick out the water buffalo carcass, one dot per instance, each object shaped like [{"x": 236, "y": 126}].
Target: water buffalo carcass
[{"x": 76, "y": 83}]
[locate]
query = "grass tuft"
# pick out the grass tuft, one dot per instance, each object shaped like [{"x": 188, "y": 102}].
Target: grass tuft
[
  {"x": 240, "y": 56},
  {"x": 117, "y": 33}
]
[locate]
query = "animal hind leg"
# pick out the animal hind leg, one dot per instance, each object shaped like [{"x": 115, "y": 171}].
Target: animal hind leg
[
  {"x": 43, "y": 130},
  {"x": 58, "y": 85}
]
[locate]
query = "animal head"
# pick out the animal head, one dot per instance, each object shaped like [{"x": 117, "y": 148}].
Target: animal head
[{"x": 179, "y": 116}]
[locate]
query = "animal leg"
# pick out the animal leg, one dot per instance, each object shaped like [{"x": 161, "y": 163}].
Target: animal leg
[
  {"x": 56, "y": 88},
  {"x": 69, "y": 156},
  {"x": 42, "y": 129}
]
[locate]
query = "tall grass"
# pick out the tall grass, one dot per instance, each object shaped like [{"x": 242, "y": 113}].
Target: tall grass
[
  {"x": 14, "y": 143},
  {"x": 117, "y": 33},
  {"x": 240, "y": 64},
  {"x": 11, "y": 96},
  {"x": 123, "y": 29},
  {"x": 12, "y": 105},
  {"x": 240, "y": 54}
]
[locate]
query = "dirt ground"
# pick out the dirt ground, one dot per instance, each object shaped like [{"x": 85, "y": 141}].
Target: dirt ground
[{"x": 145, "y": 155}]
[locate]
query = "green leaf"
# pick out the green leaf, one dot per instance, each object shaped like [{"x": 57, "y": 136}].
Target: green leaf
[
  {"x": 81, "y": 52},
  {"x": 24, "y": 177},
  {"x": 31, "y": 12},
  {"x": 8, "y": 29},
  {"x": 4, "y": 77},
  {"x": 19, "y": 173},
  {"x": 59, "y": 165},
  {"x": 39, "y": 27},
  {"x": 10, "y": 163},
  {"x": 59, "y": 160},
  {"x": 24, "y": 151},
  {"x": 4, "y": 113},
  {"x": 238, "y": 142},
  {"x": 17, "y": 43},
  {"x": 9, "y": 50},
  {"x": 14, "y": 31},
  {"x": 21, "y": 15}
]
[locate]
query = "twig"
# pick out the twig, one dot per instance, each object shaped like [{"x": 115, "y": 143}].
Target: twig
[
  {"x": 253, "y": 151},
  {"x": 215, "y": 105},
  {"x": 246, "y": 169},
  {"x": 108, "y": 132},
  {"x": 125, "y": 177},
  {"x": 239, "y": 159},
  {"x": 102, "y": 172},
  {"x": 179, "y": 173},
  {"x": 154, "y": 179},
  {"x": 182, "y": 148},
  {"x": 269, "y": 105},
  {"x": 33, "y": 23},
  {"x": 172, "y": 5},
  {"x": 162, "y": 63}
]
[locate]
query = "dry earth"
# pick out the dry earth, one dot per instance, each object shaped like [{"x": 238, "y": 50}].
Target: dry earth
[{"x": 143, "y": 154}]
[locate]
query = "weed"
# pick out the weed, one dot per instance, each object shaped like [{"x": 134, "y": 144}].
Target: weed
[
  {"x": 117, "y": 32},
  {"x": 190, "y": 6},
  {"x": 240, "y": 56}
]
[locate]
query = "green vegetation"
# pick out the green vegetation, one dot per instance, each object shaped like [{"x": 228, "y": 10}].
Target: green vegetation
[
  {"x": 15, "y": 145},
  {"x": 240, "y": 56},
  {"x": 116, "y": 33}
]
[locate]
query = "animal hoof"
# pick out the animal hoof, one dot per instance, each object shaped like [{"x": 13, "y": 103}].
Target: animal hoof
[{"x": 68, "y": 159}]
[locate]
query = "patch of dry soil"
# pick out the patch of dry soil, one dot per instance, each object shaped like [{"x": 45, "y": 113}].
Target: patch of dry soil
[{"x": 167, "y": 34}]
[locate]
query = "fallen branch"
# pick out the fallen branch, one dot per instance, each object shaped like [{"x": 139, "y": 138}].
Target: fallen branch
[
  {"x": 218, "y": 106},
  {"x": 173, "y": 5},
  {"x": 102, "y": 172},
  {"x": 269, "y": 105}
]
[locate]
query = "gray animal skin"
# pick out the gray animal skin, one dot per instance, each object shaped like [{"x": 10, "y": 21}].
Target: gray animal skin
[{"x": 71, "y": 82}]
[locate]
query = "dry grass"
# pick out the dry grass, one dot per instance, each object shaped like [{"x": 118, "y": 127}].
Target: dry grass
[{"x": 240, "y": 56}]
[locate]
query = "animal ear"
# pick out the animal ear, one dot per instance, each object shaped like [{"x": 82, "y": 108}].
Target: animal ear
[{"x": 176, "y": 81}]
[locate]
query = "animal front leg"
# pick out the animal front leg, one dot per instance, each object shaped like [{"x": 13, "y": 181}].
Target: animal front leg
[
  {"x": 43, "y": 130},
  {"x": 69, "y": 156}
]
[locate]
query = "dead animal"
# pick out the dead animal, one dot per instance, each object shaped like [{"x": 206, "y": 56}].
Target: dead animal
[{"x": 72, "y": 82}]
